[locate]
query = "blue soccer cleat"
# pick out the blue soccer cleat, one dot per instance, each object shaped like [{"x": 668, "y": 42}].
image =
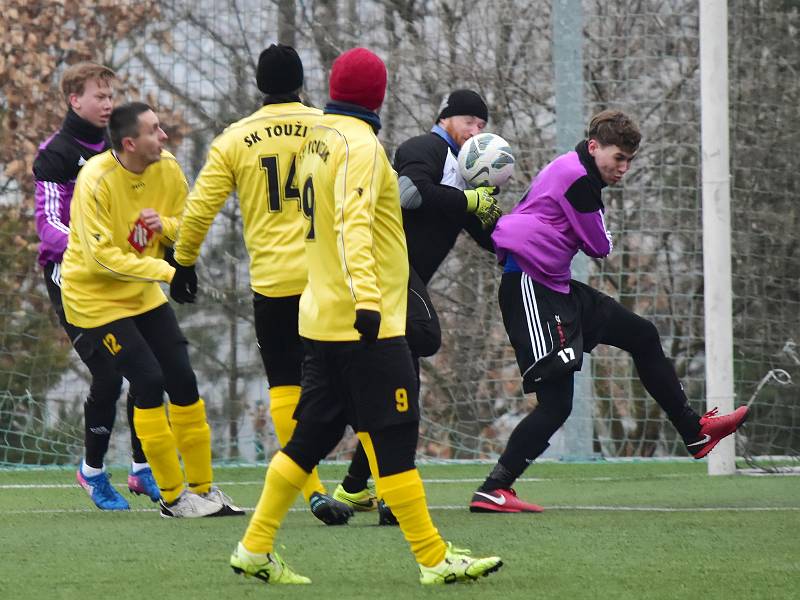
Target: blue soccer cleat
[
  {"x": 102, "y": 493},
  {"x": 142, "y": 483}
]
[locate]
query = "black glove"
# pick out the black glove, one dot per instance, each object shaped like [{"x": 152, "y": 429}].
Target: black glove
[
  {"x": 183, "y": 287},
  {"x": 368, "y": 323}
]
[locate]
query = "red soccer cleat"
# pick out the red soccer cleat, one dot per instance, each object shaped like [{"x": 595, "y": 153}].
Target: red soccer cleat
[
  {"x": 501, "y": 501},
  {"x": 713, "y": 429}
]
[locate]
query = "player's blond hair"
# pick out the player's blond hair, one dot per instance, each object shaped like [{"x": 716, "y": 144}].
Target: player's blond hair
[{"x": 75, "y": 77}]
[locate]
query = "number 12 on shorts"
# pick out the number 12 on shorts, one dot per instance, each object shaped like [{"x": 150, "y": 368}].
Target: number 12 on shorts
[{"x": 567, "y": 355}]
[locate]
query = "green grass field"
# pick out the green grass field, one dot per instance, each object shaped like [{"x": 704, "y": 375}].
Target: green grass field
[{"x": 616, "y": 531}]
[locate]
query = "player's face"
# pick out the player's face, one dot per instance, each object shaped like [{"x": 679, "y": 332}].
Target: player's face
[
  {"x": 612, "y": 161},
  {"x": 95, "y": 103},
  {"x": 462, "y": 127},
  {"x": 150, "y": 142}
]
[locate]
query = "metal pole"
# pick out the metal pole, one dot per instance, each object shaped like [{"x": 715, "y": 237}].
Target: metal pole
[
  {"x": 575, "y": 438},
  {"x": 717, "y": 221}
]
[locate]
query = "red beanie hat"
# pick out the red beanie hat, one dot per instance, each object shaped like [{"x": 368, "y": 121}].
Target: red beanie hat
[{"x": 358, "y": 76}]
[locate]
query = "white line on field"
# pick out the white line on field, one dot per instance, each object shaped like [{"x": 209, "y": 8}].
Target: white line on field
[
  {"x": 664, "y": 509},
  {"x": 426, "y": 480},
  {"x": 56, "y": 486}
]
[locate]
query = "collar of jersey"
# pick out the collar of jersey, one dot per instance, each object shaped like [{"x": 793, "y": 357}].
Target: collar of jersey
[
  {"x": 83, "y": 131},
  {"x": 446, "y": 137},
  {"x": 354, "y": 110},
  {"x": 587, "y": 160},
  {"x": 280, "y": 98}
]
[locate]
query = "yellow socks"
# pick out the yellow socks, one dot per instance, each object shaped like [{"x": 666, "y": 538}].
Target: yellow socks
[
  {"x": 405, "y": 495},
  {"x": 284, "y": 480},
  {"x": 193, "y": 438},
  {"x": 283, "y": 400},
  {"x": 159, "y": 446},
  {"x": 186, "y": 431}
]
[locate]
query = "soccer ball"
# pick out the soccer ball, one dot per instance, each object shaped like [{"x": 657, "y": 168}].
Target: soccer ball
[{"x": 486, "y": 160}]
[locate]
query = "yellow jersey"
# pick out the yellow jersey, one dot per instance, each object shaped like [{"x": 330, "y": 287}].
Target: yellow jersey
[
  {"x": 256, "y": 156},
  {"x": 104, "y": 276},
  {"x": 355, "y": 246}
]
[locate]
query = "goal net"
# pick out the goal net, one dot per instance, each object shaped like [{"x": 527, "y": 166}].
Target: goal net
[{"x": 195, "y": 62}]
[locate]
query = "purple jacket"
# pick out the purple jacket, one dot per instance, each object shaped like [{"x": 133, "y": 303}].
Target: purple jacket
[
  {"x": 561, "y": 213},
  {"x": 55, "y": 169}
]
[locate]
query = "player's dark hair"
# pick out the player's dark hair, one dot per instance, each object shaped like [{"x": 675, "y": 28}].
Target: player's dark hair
[
  {"x": 615, "y": 128},
  {"x": 124, "y": 122}
]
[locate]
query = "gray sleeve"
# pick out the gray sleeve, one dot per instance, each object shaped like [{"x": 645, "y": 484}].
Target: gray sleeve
[{"x": 410, "y": 198}]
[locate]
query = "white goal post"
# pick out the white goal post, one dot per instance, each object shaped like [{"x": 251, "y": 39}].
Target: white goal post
[{"x": 716, "y": 198}]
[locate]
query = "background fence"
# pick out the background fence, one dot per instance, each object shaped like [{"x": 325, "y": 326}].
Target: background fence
[{"x": 543, "y": 67}]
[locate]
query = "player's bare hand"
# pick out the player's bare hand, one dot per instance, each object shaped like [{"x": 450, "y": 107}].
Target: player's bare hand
[{"x": 151, "y": 220}]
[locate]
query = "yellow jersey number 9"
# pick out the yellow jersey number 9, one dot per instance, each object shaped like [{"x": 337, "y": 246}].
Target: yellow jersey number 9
[{"x": 308, "y": 206}]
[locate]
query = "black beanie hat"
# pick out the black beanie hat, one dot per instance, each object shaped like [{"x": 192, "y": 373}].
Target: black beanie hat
[
  {"x": 279, "y": 70},
  {"x": 463, "y": 102}
]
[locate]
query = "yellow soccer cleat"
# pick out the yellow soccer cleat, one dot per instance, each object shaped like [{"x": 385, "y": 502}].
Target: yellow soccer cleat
[
  {"x": 363, "y": 501},
  {"x": 269, "y": 568},
  {"x": 458, "y": 566}
]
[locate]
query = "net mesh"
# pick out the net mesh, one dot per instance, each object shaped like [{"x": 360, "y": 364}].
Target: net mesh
[{"x": 195, "y": 62}]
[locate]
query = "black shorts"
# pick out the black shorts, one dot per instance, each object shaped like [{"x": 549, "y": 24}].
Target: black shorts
[
  {"x": 278, "y": 341},
  {"x": 373, "y": 385},
  {"x": 152, "y": 353},
  {"x": 550, "y": 331},
  {"x": 423, "y": 332}
]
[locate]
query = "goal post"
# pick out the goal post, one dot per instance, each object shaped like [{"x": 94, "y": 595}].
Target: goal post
[
  {"x": 716, "y": 199},
  {"x": 567, "y": 17}
]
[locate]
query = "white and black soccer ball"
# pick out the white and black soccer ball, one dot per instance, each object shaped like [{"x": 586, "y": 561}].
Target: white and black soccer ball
[{"x": 486, "y": 160}]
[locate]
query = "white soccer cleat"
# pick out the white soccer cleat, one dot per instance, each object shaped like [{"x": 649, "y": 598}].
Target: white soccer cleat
[
  {"x": 189, "y": 506},
  {"x": 229, "y": 509}
]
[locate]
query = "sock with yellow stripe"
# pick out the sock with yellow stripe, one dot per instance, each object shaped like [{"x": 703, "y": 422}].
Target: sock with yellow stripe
[
  {"x": 159, "y": 446},
  {"x": 405, "y": 495},
  {"x": 282, "y": 483},
  {"x": 193, "y": 437},
  {"x": 283, "y": 400}
]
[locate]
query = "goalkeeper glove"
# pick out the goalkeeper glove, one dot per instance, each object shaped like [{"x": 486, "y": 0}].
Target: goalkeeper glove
[
  {"x": 183, "y": 287},
  {"x": 483, "y": 205},
  {"x": 368, "y": 323}
]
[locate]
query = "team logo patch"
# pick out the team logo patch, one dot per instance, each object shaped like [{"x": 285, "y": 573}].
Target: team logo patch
[{"x": 140, "y": 235}]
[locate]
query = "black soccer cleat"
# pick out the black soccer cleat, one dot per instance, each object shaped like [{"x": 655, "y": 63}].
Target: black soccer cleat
[
  {"x": 328, "y": 510},
  {"x": 385, "y": 515}
]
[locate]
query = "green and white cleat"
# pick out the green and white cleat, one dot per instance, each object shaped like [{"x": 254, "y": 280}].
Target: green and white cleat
[
  {"x": 269, "y": 568},
  {"x": 362, "y": 501},
  {"x": 458, "y": 566}
]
